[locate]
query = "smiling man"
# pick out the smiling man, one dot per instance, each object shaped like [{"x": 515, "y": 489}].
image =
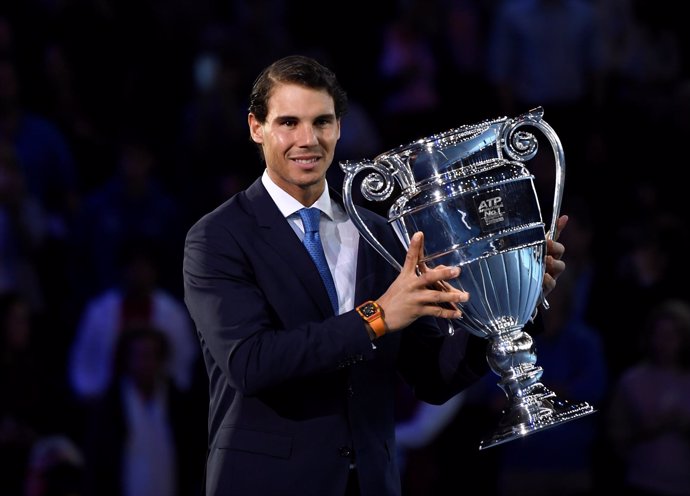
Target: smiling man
[{"x": 302, "y": 386}]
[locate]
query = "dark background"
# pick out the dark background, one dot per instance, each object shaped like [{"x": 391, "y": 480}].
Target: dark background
[{"x": 108, "y": 75}]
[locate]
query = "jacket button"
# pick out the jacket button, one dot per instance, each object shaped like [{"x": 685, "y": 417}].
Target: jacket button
[{"x": 345, "y": 452}]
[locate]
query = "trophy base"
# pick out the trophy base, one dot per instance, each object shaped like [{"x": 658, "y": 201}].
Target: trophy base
[{"x": 530, "y": 416}]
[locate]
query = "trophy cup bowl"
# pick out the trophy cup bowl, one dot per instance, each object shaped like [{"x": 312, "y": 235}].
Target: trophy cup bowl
[{"x": 470, "y": 192}]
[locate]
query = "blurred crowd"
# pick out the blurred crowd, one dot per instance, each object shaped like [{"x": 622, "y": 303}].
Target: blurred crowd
[{"x": 121, "y": 122}]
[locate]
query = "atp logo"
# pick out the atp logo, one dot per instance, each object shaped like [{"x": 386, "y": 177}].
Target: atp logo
[{"x": 491, "y": 210}]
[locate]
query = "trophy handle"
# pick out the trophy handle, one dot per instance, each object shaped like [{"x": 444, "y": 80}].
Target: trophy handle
[
  {"x": 521, "y": 145},
  {"x": 377, "y": 186}
]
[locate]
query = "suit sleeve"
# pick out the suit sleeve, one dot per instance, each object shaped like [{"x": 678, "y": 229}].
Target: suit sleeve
[{"x": 257, "y": 325}]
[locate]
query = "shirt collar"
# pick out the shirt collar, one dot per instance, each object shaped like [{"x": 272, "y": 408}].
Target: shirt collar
[{"x": 288, "y": 205}]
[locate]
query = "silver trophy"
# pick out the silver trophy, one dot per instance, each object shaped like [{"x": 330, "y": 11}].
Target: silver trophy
[{"x": 470, "y": 193}]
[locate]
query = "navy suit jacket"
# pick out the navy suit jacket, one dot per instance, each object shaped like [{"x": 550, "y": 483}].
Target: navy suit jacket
[{"x": 296, "y": 393}]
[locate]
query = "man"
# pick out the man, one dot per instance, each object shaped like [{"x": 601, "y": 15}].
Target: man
[{"x": 302, "y": 395}]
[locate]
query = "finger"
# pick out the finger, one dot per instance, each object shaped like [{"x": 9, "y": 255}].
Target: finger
[
  {"x": 448, "y": 313},
  {"x": 423, "y": 267},
  {"x": 555, "y": 249},
  {"x": 437, "y": 276},
  {"x": 548, "y": 285},
  {"x": 557, "y": 267},
  {"x": 554, "y": 267},
  {"x": 414, "y": 253},
  {"x": 560, "y": 225},
  {"x": 449, "y": 297},
  {"x": 445, "y": 303}
]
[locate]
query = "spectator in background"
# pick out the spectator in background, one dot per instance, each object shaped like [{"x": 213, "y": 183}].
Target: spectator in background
[
  {"x": 212, "y": 124},
  {"x": 652, "y": 62},
  {"x": 465, "y": 94},
  {"x": 132, "y": 206},
  {"x": 417, "y": 433},
  {"x": 23, "y": 231},
  {"x": 616, "y": 21},
  {"x": 549, "y": 53},
  {"x": 55, "y": 467},
  {"x": 649, "y": 413},
  {"x": 50, "y": 176},
  {"x": 545, "y": 52},
  {"x": 408, "y": 71},
  {"x": 43, "y": 153},
  {"x": 21, "y": 395},
  {"x": 643, "y": 273},
  {"x": 138, "y": 300},
  {"x": 65, "y": 105},
  {"x": 142, "y": 436},
  {"x": 29, "y": 389}
]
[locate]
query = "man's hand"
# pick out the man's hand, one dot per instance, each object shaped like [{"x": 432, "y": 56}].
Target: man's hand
[
  {"x": 554, "y": 252},
  {"x": 412, "y": 294}
]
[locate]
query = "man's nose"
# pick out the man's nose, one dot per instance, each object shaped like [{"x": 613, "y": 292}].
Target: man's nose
[{"x": 308, "y": 135}]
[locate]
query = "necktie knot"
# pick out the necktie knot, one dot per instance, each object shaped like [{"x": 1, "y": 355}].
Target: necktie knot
[
  {"x": 310, "y": 218},
  {"x": 312, "y": 241}
]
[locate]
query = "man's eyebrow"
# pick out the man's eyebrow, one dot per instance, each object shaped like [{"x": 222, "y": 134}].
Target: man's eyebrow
[{"x": 329, "y": 116}]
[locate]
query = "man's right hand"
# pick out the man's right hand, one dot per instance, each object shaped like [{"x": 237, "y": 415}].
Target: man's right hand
[{"x": 411, "y": 295}]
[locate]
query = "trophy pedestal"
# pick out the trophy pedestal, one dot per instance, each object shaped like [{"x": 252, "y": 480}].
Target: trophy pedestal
[
  {"x": 532, "y": 407},
  {"x": 539, "y": 410}
]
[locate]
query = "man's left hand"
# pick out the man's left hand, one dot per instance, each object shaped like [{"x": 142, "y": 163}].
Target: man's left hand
[{"x": 554, "y": 252}]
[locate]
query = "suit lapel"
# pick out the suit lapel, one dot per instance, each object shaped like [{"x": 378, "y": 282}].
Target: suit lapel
[{"x": 278, "y": 234}]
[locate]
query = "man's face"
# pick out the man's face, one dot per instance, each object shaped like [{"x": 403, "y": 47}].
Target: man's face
[{"x": 298, "y": 139}]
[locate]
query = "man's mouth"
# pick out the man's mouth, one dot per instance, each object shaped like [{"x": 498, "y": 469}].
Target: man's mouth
[{"x": 306, "y": 161}]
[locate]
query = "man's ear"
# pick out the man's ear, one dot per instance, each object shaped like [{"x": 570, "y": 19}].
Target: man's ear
[{"x": 256, "y": 130}]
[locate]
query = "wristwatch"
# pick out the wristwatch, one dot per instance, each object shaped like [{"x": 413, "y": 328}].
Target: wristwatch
[{"x": 372, "y": 313}]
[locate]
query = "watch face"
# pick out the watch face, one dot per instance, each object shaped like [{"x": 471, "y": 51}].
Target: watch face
[{"x": 368, "y": 309}]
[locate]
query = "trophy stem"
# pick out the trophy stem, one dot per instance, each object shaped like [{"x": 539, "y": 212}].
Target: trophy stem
[{"x": 531, "y": 406}]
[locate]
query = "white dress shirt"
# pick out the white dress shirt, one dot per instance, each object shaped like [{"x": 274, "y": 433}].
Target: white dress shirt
[{"x": 339, "y": 236}]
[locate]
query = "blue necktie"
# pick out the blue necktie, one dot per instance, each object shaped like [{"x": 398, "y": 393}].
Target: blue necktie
[{"x": 312, "y": 241}]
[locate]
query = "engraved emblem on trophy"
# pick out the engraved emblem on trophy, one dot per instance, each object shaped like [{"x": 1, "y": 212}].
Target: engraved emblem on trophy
[{"x": 471, "y": 193}]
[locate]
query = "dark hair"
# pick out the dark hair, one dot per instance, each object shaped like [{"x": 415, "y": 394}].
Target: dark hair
[
  {"x": 129, "y": 336},
  {"x": 295, "y": 69},
  {"x": 677, "y": 311}
]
